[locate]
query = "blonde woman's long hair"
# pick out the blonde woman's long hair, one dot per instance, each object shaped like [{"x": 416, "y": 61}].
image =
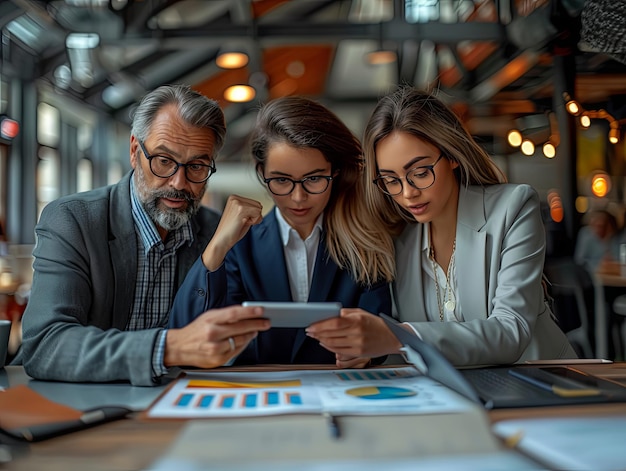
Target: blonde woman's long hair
[
  {"x": 352, "y": 240},
  {"x": 425, "y": 116}
]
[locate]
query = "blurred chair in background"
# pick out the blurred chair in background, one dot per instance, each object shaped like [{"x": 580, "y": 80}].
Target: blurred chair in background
[
  {"x": 618, "y": 331},
  {"x": 572, "y": 289}
]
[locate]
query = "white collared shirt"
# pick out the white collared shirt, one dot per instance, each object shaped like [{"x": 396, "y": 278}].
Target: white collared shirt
[
  {"x": 430, "y": 290},
  {"x": 300, "y": 256}
]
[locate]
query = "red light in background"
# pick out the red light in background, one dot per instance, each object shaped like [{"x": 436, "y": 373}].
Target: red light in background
[{"x": 9, "y": 128}]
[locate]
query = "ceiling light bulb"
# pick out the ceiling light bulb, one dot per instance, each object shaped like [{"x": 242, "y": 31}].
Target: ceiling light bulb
[
  {"x": 549, "y": 150},
  {"x": 613, "y": 135},
  {"x": 600, "y": 185},
  {"x": 528, "y": 148},
  {"x": 239, "y": 93},
  {"x": 585, "y": 121},
  {"x": 572, "y": 107},
  {"x": 232, "y": 60},
  {"x": 381, "y": 57},
  {"x": 514, "y": 137}
]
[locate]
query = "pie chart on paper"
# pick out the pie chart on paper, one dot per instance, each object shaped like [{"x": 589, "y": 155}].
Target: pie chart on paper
[{"x": 380, "y": 392}]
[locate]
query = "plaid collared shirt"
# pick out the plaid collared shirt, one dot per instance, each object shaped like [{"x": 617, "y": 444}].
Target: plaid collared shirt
[{"x": 156, "y": 272}]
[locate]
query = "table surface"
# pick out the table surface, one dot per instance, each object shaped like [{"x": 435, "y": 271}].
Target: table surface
[{"x": 135, "y": 443}]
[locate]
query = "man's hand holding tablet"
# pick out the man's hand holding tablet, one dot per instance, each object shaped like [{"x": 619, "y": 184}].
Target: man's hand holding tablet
[{"x": 293, "y": 314}]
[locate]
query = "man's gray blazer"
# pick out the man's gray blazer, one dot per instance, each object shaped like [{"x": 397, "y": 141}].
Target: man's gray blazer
[{"x": 83, "y": 287}]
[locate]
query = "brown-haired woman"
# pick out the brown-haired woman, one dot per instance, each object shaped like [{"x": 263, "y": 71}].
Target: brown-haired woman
[{"x": 317, "y": 244}]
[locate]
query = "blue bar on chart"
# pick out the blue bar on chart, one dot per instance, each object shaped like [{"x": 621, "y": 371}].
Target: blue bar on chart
[
  {"x": 272, "y": 398},
  {"x": 370, "y": 375},
  {"x": 227, "y": 402},
  {"x": 382, "y": 375},
  {"x": 183, "y": 400},
  {"x": 205, "y": 401},
  {"x": 249, "y": 400},
  {"x": 293, "y": 398}
]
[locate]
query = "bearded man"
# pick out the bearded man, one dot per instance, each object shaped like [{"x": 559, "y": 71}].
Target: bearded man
[{"x": 108, "y": 262}]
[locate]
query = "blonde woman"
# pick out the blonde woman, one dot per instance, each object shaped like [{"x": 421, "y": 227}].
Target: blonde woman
[{"x": 469, "y": 251}]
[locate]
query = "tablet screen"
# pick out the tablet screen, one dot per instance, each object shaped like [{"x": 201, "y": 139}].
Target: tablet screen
[{"x": 292, "y": 314}]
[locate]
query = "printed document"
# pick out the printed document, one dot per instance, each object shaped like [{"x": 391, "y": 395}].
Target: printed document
[{"x": 357, "y": 392}]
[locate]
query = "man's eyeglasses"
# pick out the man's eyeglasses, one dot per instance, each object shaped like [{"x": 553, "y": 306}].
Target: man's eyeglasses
[
  {"x": 282, "y": 186},
  {"x": 164, "y": 167},
  {"x": 419, "y": 178}
]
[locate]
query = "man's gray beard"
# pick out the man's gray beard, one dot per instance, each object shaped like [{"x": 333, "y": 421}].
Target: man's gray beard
[{"x": 169, "y": 219}]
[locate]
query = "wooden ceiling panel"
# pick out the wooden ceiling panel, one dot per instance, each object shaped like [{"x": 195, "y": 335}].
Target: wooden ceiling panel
[
  {"x": 215, "y": 86},
  {"x": 297, "y": 70},
  {"x": 261, "y": 7}
]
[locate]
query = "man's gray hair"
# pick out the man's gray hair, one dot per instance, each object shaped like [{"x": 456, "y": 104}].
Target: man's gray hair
[{"x": 193, "y": 107}]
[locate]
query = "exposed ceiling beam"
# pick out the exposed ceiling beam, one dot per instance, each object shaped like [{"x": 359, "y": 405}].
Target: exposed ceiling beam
[
  {"x": 505, "y": 76},
  {"x": 303, "y": 31}
]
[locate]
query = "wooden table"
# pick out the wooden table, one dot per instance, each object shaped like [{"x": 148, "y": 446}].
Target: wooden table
[{"x": 135, "y": 443}]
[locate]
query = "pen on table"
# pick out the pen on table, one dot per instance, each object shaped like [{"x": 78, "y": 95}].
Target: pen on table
[
  {"x": 35, "y": 433},
  {"x": 333, "y": 425}
]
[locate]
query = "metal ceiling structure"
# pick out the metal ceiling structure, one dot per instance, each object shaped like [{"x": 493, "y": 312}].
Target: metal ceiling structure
[{"x": 494, "y": 60}]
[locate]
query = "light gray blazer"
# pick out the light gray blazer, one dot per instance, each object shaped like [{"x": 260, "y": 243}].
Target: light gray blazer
[
  {"x": 83, "y": 289},
  {"x": 500, "y": 250}
]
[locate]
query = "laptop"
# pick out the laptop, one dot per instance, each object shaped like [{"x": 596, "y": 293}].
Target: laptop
[{"x": 507, "y": 386}]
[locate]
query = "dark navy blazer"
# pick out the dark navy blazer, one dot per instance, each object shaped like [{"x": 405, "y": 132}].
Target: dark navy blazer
[{"x": 255, "y": 270}]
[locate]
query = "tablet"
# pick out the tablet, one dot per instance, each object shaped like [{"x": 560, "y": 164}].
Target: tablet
[{"x": 291, "y": 314}]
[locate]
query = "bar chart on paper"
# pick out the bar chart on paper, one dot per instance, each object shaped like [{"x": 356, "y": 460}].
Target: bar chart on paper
[
  {"x": 373, "y": 375},
  {"x": 237, "y": 400},
  {"x": 362, "y": 392}
]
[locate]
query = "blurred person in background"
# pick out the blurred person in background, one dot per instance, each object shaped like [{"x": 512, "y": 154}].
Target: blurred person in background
[{"x": 597, "y": 243}]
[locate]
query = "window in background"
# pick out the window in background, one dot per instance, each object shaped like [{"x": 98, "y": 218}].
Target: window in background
[
  {"x": 3, "y": 188},
  {"x": 84, "y": 167},
  {"x": 115, "y": 171},
  {"x": 48, "y": 168},
  {"x": 3, "y": 154},
  {"x": 48, "y": 125},
  {"x": 84, "y": 172},
  {"x": 48, "y": 177}
]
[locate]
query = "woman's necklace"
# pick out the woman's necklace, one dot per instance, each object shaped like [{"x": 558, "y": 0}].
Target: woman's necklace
[{"x": 449, "y": 302}]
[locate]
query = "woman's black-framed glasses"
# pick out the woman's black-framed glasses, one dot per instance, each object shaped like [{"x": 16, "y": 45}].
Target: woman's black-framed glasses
[
  {"x": 165, "y": 167},
  {"x": 282, "y": 186},
  {"x": 419, "y": 178}
]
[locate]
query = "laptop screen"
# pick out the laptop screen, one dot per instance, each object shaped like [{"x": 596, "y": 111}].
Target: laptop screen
[{"x": 430, "y": 362}]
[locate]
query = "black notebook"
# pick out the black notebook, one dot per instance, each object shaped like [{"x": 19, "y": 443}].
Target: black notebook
[{"x": 508, "y": 386}]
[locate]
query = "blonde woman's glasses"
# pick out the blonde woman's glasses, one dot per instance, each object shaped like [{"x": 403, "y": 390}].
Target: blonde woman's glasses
[{"x": 419, "y": 178}]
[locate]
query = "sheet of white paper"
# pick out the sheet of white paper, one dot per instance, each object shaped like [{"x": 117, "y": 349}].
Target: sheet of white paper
[
  {"x": 472, "y": 462},
  {"x": 302, "y": 442},
  {"x": 573, "y": 443},
  {"x": 366, "y": 392}
]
